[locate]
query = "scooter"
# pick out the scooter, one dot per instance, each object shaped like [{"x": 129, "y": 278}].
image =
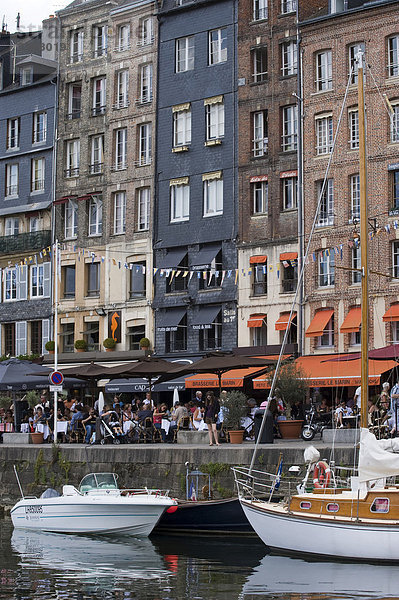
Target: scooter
[{"x": 314, "y": 423}]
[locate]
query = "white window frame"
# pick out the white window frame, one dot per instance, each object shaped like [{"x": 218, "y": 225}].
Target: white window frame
[
  {"x": 146, "y": 31},
  {"x": 179, "y": 202},
  {"x": 324, "y": 134},
  {"x": 217, "y": 46},
  {"x": 354, "y": 183},
  {"x": 11, "y": 226},
  {"x": 95, "y": 216},
  {"x": 260, "y": 140},
  {"x": 97, "y": 154},
  {"x": 76, "y": 45},
  {"x": 356, "y": 276},
  {"x": 143, "y": 208},
  {"x": 260, "y": 197},
  {"x": 289, "y": 58},
  {"x": 290, "y": 128},
  {"x": 214, "y": 121},
  {"x": 12, "y": 180},
  {"x": 395, "y": 260},
  {"x": 122, "y": 89},
  {"x": 327, "y": 339},
  {"x": 40, "y": 278},
  {"x": 99, "y": 100},
  {"x": 34, "y": 224},
  {"x": 353, "y": 121},
  {"x": 352, "y": 53},
  {"x": 13, "y": 133},
  {"x": 290, "y": 192},
  {"x": 325, "y": 217},
  {"x": 16, "y": 283},
  {"x": 394, "y": 123},
  {"x": 72, "y": 158},
  {"x": 26, "y": 74},
  {"x": 146, "y": 84},
  {"x": 213, "y": 197},
  {"x": 288, "y": 6},
  {"x": 259, "y": 64},
  {"x": 121, "y": 149},
  {"x": 182, "y": 127},
  {"x": 38, "y": 174},
  {"x": 324, "y": 70},
  {"x": 21, "y": 338},
  {"x": 74, "y": 113},
  {"x": 119, "y": 213},
  {"x": 145, "y": 144},
  {"x": 260, "y": 10},
  {"x": 326, "y": 269},
  {"x": 184, "y": 54},
  {"x": 393, "y": 56},
  {"x": 39, "y": 127},
  {"x": 123, "y": 37},
  {"x": 71, "y": 220},
  {"x": 100, "y": 39}
]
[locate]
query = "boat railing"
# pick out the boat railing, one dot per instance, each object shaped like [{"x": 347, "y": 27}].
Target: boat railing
[
  {"x": 144, "y": 491},
  {"x": 256, "y": 485}
]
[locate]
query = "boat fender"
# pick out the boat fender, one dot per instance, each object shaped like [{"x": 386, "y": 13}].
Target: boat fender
[
  {"x": 321, "y": 475},
  {"x": 172, "y": 509}
]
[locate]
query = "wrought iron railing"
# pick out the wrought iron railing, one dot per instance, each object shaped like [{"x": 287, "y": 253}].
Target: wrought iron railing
[{"x": 25, "y": 242}]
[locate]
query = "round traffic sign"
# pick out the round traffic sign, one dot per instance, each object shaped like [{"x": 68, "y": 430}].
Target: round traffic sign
[{"x": 56, "y": 378}]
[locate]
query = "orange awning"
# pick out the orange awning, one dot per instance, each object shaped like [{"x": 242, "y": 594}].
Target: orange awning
[
  {"x": 319, "y": 323},
  {"x": 282, "y": 321},
  {"x": 288, "y": 255},
  {"x": 233, "y": 378},
  {"x": 256, "y": 260},
  {"x": 319, "y": 371},
  {"x": 392, "y": 314},
  {"x": 256, "y": 320},
  {"x": 352, "y": 320}
]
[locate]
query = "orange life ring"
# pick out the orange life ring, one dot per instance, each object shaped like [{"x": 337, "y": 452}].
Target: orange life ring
[{"x": 321, "y": 475}]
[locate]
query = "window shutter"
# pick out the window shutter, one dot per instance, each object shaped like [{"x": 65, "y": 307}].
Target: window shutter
[
  {"x": 1, "y": 292},
  {"x": 22, "y": 283},
  {"x": 45, "y": 334},
  {"x": 46, "y": 279},
  {"x": 20, "y": 337}
]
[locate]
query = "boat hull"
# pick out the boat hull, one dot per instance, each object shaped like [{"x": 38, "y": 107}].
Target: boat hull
[
  {"x": 289, "y": 533},
  {"x": 90, "y": 514}
]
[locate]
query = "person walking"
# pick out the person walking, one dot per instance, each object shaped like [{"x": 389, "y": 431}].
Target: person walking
[{"x": 212, "y": 408}]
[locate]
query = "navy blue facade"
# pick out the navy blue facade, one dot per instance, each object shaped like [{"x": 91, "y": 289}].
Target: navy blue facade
[{"x": 198, "y": 233}]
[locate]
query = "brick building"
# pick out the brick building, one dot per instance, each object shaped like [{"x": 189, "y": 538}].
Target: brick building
[{"x": 332, "y": 283}]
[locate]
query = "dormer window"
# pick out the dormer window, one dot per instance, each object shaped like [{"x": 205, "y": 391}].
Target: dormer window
[{"x": 26, "y": 75}]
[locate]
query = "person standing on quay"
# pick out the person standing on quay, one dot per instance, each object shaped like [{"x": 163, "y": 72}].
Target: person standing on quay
[{"x": 212, "y": 408}]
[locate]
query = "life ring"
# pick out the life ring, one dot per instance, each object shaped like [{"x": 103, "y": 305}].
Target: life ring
[{"x": 321, "y": 475}]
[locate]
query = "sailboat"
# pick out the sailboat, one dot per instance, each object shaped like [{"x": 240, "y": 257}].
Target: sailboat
[{"x": 360, "y": 521}]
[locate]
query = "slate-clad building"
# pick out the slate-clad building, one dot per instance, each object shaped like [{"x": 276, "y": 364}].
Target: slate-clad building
[{"x": 195, "y": 220}]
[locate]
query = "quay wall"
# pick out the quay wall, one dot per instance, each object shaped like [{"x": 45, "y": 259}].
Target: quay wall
[{"x": 154, "y": 466}]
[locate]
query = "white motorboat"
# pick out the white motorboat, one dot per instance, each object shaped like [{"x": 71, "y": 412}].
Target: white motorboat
[{"x": 98, "y": 506}]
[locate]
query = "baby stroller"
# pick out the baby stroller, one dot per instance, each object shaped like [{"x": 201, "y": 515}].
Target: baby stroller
[{"x": 111, "y": 430}]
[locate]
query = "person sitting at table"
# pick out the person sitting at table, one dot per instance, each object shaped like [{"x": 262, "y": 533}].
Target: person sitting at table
[
  {"x": 198, "y": 418},
  {"x": 90, "y": 424},
  {"x": 341, "y": 412},
  {"x": 159, "y": 414},
  {"x": 111, "y": 418},
  {"x": 80, "y": 414},
  {"x": 38, "y": 418}
]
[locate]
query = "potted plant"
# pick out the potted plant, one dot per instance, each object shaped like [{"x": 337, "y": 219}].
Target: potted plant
[
  {"x": 81, "y": 345},
  {"x": 50, "y": 346},
  {"x": 234, "y": 410},
  {"x": 292, "y": 388},
  {"x": 109, "y": 344},
  {"x": 144, "y": 343}
]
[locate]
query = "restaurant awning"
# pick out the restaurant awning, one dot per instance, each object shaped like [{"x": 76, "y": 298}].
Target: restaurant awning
[
  {"x": 289, "y": 256},
  {"x": 172, "y": 259},
  {"x": 392, "y": 314},
  {"x": 320, "y": 372},
  {"x": 283, "y": 320},
  {"x": 205, "y": 316},
  {"x": 319, "y": 323},
  {"x": 132, "y": 385},
  {"x": 259, "y": 259},
  {"x": 170, "y": 319},
  {"x": 203, "y": 258},
  {"x": 256, "y": 320},
  {"x": 352, "y": 320}
]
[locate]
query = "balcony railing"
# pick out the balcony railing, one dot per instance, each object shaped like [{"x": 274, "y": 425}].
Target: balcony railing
[{"x": 25, "y": 242}]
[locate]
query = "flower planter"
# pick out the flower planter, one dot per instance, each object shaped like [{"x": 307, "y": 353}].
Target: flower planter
[
  {"x": 236, "y": 437},
  {"x": 80, "y": 350},
  {"x": 290, "y": 429},
  {"x": 37, "y": 437},
  {"x": 109, "y": 349}
]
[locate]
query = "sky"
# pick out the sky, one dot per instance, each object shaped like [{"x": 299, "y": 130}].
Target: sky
[{"x": 32, "y": 13}]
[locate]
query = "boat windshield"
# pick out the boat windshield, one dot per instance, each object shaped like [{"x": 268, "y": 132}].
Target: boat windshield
[{"x": 94, "y": 481}]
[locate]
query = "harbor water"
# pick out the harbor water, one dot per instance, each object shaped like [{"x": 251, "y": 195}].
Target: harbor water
[{"x": 44, "y": 566}]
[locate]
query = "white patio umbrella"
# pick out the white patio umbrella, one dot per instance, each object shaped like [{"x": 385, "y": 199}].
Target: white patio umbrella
[
  {"x": 175, "y": 396},
  {"x": 100, "y": 402}
]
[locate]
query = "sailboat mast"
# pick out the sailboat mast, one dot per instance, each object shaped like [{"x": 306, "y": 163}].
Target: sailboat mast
[{"x": 363, "y": 243}]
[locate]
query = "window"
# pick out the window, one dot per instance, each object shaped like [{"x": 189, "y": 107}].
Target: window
[
  {"x": 99, "y": 40},
  {"x": 121, "y": 149},
  {"x": 393, "y": 56},
  {"x": 326, "y": 203},
  {"x": 145, "y": 84},
  {"x": 178, "y": 283},
  {"x": 76, "y": 45},
  {"x": 179, "y": 200},
  {"x": 259, "y": 280},
  {"x": 217, "y": 46},
  {"x": 11, "y": 226},
  {"x": 289, "y": 62},
  {"x": 36, "y": 337},
  {"x": 123, "y": 42},
  {"x": 33, "y": 224},
  {"x": 69, "y": 280},
  {"x": 71, "y": 219},
  {"x": 259, "y": 62},
  {"x": 26, "y": 75},
  {"x": 211, "y": 338},
  {"x": 324, "y": 134},
  {"x": 97, "y": 154},
  {"x": 143, "y": 208},
  {"x": 145, "y": 144},
  {"x": 289, "y": 276},
  {"x": 289, "y": 192},
  {"x": 185, "y": 54},
  {"x": 39, "y": 127},
  {"x": 260, "y": 133},
  {"x": 176, "y": 341},
  {"x": 353, "y": 68},
  {"x": 326, "y": 268},
  {"x": 72, "y": 158},
  {"x": 353, "y": 129},
  {"x": 122, "y": 89},
  {"x": 9, "y": 338},
  {"x": 99, "y": 96},
  {"x": 332, "y": 507},
  {"x": 68, "y": 337},
  {"x": 13, "y": 133},
  {"x": 395, "y": 259},
  {"x": 37, "y": 175},
  {"x": 214, "y": 111},
  {"x": 95, "y": 215},
  {"x": 213, "y": 194},
  {"x": 146, "y": 32},
  {"x": 91, "y": 335},
  {"x": 40, "y": 280},
  {"x": 93, "y": 279},
  {"x": 260, "y": 197},
  {"x": 260, "y": 10},
  {"x": 135, "y": 334},
  {"x": 395, "y": 331},
  {"x": 12, "y": 180},
  {"x": 380, "y": 505},
  {"x": 74, "y": 100},
  {"x": 181, "y": 125},
  {"x": 290, "y": 124},
  {"x": 288, "y": 6},
  {"x": 137, "y": 280},
  {"x": 356, "y": 276},
  {"x": 16, "y": 284},
  {"x": 119, "y": 213},
  {"x": 394, "y": 123},
  {"x": 327, "y": 339},
  {"x": 355, "y": 196},
  {"x": 214, "y": 275},
  {"x": 259, "y": 334},
  {"x": 355, "y": 338},
  {"x": 324, "y": 71}
]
